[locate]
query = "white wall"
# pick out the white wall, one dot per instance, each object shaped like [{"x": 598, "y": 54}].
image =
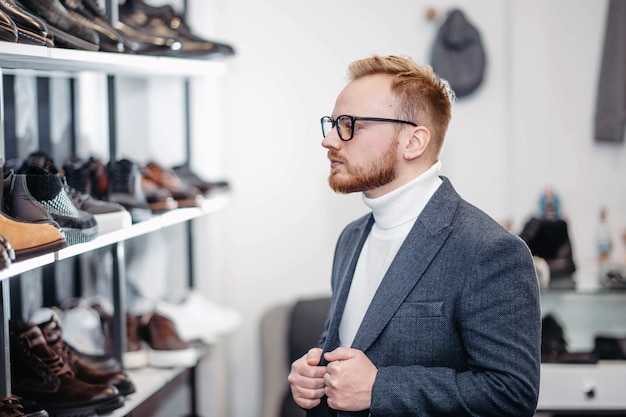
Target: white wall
[{"x": 529, "y": 125}]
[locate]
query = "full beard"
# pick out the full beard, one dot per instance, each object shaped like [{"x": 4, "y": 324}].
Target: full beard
[{"x": 365, "y": 178}]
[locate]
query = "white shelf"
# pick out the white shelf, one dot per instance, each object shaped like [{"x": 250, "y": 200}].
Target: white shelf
[
  {"x": 147, "y": 381},
  {"x": 157, "y": 222},
  {"x": 583, "y": 387},
  {"x": 21, "y": 58}
]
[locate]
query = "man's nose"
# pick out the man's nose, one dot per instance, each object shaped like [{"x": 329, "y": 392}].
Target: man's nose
[{"x": 332, "y": 140}]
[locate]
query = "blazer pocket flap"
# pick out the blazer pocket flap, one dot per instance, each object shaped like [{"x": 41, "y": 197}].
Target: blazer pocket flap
[{"x": 421, "y": 309}]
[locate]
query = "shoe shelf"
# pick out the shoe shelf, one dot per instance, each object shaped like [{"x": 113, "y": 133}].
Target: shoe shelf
[
  {"x": 48, "y": 63},
  {"x": 583, "y": 387},
  {"x": 149, "y": 381},
  {"x": 153, "y": 224},
  {"x": 20, "y": 57}
]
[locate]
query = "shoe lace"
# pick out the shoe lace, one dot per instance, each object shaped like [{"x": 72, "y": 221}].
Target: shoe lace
[
  {"x": 65, "y": 358},
  {"x": 11, "y": 407},
  {"x": 56, "y": 365},
  {"x": 121, "y": 178}
]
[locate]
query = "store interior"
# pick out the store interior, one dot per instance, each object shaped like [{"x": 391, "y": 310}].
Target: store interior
[{"x": 250, "y": 119}]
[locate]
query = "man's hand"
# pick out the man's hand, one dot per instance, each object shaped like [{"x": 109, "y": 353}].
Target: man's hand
[
  {"x": 307, "y": 379},
  {"x": 349, "y": 379}
]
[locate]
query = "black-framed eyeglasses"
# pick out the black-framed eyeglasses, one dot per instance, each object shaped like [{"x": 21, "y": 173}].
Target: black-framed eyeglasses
[{"x": 345, "y": 124}]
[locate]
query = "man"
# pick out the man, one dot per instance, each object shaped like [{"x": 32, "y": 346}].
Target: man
[{"x": 435, "y": 307}]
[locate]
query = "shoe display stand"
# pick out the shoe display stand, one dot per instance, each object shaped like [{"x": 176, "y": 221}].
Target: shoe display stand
[
  {"x": 576, "y": 385},
  {"x": 50, "y": 62}
]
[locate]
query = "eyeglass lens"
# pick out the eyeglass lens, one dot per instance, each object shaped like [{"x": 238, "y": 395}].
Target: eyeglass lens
[{"x": 343, "y": 123}]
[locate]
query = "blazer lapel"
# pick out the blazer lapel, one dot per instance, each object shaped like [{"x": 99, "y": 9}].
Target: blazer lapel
[
  {"x": 344, "y": 274},
  {"x": 424, "y": 241}
]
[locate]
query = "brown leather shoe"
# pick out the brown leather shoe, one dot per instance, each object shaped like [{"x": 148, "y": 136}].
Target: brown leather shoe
[
  {"x": 135, "y": 355},
  {"x": 31, "y": 239},
  {"x": 159, "y": 199},
  {"x": 184, "y": 193},
  {"x": 39, "y": 373},
  {"x": 51, "y": 330},
  {"x": 167, "y": 349}
]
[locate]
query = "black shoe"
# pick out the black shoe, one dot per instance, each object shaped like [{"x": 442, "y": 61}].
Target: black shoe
[
  {"x": 164, "y": 22},
  {"x": 209, "y": 188},
  {"x": 68, "y": 32},
  {"x": 31, "y": 29},
  {"x": 8, "y": 29},
  {"x": 110, "y": 39},
  {"x": 124, "y": 187}
]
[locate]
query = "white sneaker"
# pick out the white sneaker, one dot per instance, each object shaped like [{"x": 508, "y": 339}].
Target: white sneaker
[{"x": 197, "y": 318}]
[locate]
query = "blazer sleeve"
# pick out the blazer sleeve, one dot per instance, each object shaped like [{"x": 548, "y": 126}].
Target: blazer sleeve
[{"x": 498, "y": 316}]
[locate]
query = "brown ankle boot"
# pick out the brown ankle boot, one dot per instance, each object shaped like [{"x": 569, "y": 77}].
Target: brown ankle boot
[
  {"x": 51, "y": 330},
  {"x": 31, "y": 239},
  {"x": 39, "y": 373}
]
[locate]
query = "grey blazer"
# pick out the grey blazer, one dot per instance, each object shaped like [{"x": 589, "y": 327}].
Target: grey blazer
[{"x": 455, "y": 326}]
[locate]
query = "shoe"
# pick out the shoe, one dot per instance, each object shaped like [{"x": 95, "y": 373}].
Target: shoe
[
  {"x": 186, "y": 195},
  {"x": 87, "y": 176},
  {"x": 68, "y": 32},
  {"x": 31, "y": 29},
  {"x": 166, "y": 348},
  {"x": 135, "y": 355},
  {"x": 39, "y": 373},
  {"x": 53, "y": 333},
  {"x": 31, "y": 408},
  {"x": 88, "y": 334},
  {"x": 159, "y": 199},
  {"x": 110, "y": 39},
  {"x": 124, "y": 187},
  {"x": 32, "y": 239},
  {"x": 164, "y": 22},
  {"x": 110, "y": 216},
  {"x": 7, "y": 254},
  {"x": 8, "y": 29},
  {"x": 208, "y": 188},
  {"x": 38, "y": 194},
  {"x": 196, "y": 318}
]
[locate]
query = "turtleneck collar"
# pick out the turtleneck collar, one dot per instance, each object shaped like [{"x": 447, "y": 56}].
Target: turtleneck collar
[{"x": 405, "y": 203}]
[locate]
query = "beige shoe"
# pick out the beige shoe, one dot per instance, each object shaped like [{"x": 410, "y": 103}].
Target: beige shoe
[{"x": 31, "y": 239}]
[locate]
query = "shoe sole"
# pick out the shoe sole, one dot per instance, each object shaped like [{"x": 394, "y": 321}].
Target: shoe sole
[
  {"x": 24, "y": 254},
  {"x": 84, "y": 409},
  {"x": 76, "y": 236},
  {"x": 135, "y": 359},
  {"x": 172, "y": 358}
]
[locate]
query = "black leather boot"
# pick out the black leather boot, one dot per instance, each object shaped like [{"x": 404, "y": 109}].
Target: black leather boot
[
  {"x": 68, "y": 32},
  {"x": 31, "y": 29}
]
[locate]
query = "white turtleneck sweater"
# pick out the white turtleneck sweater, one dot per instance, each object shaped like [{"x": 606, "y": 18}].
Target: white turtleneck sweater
[{"x": 394, "y": 216}]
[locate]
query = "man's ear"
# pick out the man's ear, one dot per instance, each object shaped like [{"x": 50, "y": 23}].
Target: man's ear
[{"x": 417, "y": 143}]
